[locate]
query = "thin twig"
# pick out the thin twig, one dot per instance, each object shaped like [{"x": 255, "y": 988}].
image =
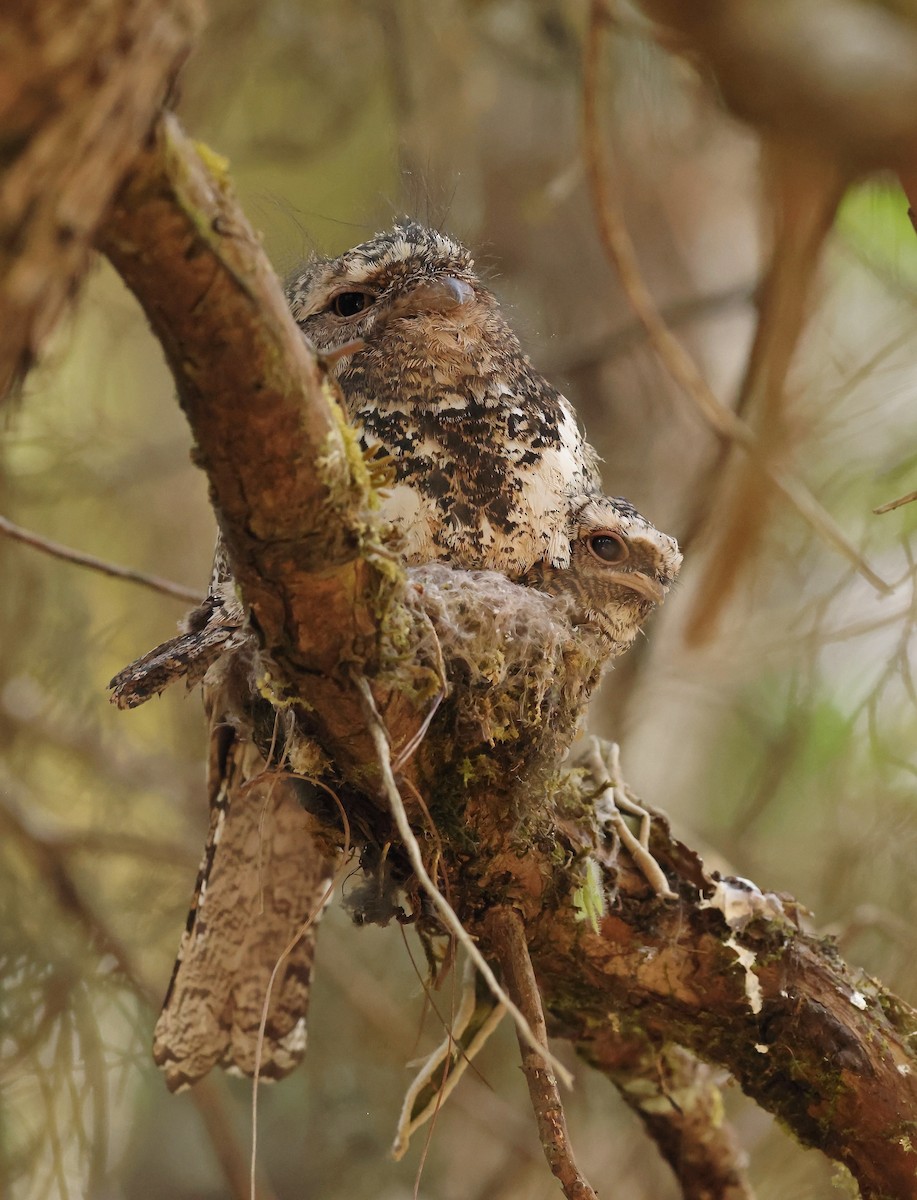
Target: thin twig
[
  {"x": 509, "y": 941},
  {"x": 17, "y": 534},
  {"x": 383, "y": 753},
  {"x": 893, "y": 504},
  {"x": 679, "y": 364}
]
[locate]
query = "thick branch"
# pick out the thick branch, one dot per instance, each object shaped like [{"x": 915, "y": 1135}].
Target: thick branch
[
  {"x": 727, "y": 973},
  {"x": 680, "y": 1104},
  {"x": 286, "y": 477},
  {"x": 723, "y": 972},
  {"x": 841, "y": 75},
  {"x": 82, "y": 85}
]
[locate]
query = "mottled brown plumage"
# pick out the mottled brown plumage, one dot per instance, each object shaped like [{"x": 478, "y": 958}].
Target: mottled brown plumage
[
  {"x": 261, "y": 879},
  {"x": 488, "y": 455},
  {"x": 491, "y": 472},
  {"x": 621, "y": 567}
]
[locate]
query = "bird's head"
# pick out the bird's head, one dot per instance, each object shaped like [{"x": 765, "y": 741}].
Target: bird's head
[
  {"x": 621, "y": 567},
  {"x": 410, "y": 275}
]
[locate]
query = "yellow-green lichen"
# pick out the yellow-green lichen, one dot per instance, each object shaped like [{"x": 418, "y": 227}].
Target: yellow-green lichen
[
  {"x": 342, "y": 447},
  {"x": 217, "y": 164},
  {"x": 271, "y": 690},
  {"x": 589, "y": 898}
]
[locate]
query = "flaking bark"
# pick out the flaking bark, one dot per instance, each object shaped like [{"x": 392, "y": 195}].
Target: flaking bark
[{"x": 826, "y": 1049}]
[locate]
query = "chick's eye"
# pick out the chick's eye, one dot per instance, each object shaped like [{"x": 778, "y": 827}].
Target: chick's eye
[
  {"x": 608, "y": 547},
  {"x": 348, "y": 304}
]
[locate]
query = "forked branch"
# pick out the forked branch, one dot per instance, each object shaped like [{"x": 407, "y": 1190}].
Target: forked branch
[{"x": 722, "y": 969}]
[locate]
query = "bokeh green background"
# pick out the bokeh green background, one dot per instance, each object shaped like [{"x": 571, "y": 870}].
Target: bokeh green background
[{"x": 783, "y": 747}]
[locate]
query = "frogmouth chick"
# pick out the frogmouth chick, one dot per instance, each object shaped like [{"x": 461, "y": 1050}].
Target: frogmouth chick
[{"x": 620, "y": 568}]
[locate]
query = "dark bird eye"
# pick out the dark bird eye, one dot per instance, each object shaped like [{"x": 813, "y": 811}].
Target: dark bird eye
[
  {"x": 348, "y": 304},
  {"x": 608, "y": 547}
]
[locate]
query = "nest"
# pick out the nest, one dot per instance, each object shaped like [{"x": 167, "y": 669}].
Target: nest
[{"x": 519, "y": 669}]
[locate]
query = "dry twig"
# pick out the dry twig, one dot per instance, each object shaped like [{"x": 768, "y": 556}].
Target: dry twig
[
  {"x": 452, "y": 1057},
  {"x": 17, "y": 534},
  {"x": 891, "y": 505},
  {"x": 508, "y": 936}
]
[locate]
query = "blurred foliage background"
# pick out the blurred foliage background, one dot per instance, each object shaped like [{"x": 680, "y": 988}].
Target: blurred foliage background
[{"x": 782, "y": 745}]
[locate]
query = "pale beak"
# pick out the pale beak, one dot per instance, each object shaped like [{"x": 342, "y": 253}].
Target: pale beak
[
  {"x": 441, "y": 295},
  {"x": 638, "y": 582}
]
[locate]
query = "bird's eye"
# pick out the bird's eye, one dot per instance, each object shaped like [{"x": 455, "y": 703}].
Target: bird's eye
[
  {"x": 349, "y": 304},
  {"x": 608, "y": 547}
]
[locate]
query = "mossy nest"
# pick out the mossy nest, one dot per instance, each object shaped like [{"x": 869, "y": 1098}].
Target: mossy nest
[{"x": 518, "y": 669}]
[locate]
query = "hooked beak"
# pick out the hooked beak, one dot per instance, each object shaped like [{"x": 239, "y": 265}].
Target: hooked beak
[
  {"x": 440, "y": 295},
  {"x": 638, "y": 582}
]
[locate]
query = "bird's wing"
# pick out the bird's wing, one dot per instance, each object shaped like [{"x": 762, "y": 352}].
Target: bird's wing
[{"x": 188, "y": 656}]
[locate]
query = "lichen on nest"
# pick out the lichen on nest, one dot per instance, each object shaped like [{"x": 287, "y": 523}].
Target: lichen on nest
[{"x": 515, "y": 660}]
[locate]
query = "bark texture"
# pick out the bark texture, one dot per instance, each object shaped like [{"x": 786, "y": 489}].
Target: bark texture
[
  {"x": 723, "y": 970},
  {"x": 82, "y": 84}
]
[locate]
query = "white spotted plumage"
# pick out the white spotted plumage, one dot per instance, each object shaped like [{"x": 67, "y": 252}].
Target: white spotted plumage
[{"x": 491, "y": 453}]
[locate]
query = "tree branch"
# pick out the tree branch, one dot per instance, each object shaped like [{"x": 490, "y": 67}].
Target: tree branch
[
  {"x": 508, "y": 938},
  {"x": 177, "y": 590},
  {"x": 82, "y": 86},
  {"x": 287, "y": 481},
  {"x": 680, "y": 1105},
  {"x": 840, "y": 75},
  {"x": 723, "y": 970}
]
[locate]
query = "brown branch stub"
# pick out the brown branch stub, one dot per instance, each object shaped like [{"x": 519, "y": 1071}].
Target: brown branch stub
[
  {"x": 678, "y": 1101},
  {"x": 508, "y": 939},
  {"x": 82, "y": 86}
]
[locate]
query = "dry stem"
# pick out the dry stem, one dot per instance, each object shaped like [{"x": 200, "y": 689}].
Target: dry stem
[
  {"x": 17, "y": 534},
  {"x": 508, "y": 937},
  {"x": 891, "y": 505}
]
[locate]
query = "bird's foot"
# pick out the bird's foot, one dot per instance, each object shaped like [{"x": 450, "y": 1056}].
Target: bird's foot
[{"x": 614, "y": 799}]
